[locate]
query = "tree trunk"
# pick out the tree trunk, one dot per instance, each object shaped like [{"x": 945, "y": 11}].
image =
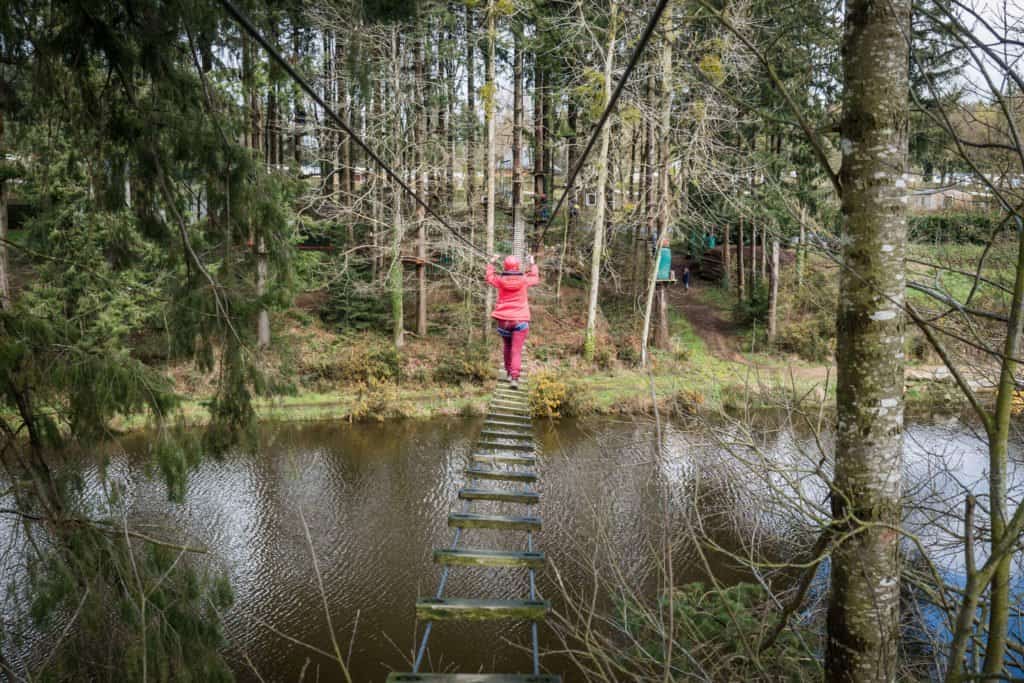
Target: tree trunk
[
  {"x": 590, "y": 335},
  {"x": 517, "y": 142},
  {"x": 773, "y": 294},
  {"x": 263, "y": 324},
  {"x": 764, "y": 255},
  {"x": 726, "y": 257},
  {"x": 420, "y": 169},
  {"x": 753, "y": 259},
  {"x": 740, "y": 258},
  {"x": 489, "y": 105},
  {"x": 395, "y": 272},
  {"x": 664, "y": 216},
  {"x": 470, "y": 179},
  {"x": 801, "y": 252},
  {"x": 5, "y": 278},
  {"x": 570, "y": 219},
  {"x": 863, "y": 612},
  {"x": 538, "y": 146}
]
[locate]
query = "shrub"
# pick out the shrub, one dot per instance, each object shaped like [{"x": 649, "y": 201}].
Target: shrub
[
  {"x": 354, "y": 358},
  {"x": 811, "y": 339},
  {"x": 962, "y": 227},
  {"x": 467, "y": 364},
  {"x": 755, "y": 308},
  {"x": 687, "y": 402},
  {"x": 716, "y": 632},
  {"x": 374, "y": 400},
  {"x": 552, "y": 396}
]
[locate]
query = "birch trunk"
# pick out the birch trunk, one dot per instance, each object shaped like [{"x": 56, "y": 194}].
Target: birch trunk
[
  {"x": 489, "y": 102},
  {"x": 590, "y": 335},
  {"x": 863, "y": 613},
  {"x": 420, "y": 169},
  {"x": 773, "y": 294},
  {"x": 395, "y": 274}
]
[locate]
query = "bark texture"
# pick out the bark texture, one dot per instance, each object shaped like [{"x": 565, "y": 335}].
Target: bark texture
[
  {"x": 590, "y": 336},
  {"x": 863, "y": 615}
]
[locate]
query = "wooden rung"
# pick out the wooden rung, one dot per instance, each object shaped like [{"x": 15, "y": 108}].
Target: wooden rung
[
  {"x": 517, "y": 394},
  {"x": 523, "y": 427},
  {"x": 498, "y": 495},
  {"x": 472, "y": 678},
  {"x": 488, "y": 558},
  {"x": 507, "y": 435},
  {"x": 437, "y": 609},
  {"x": 524, "y": 413},
  {"x": 523, "y": 403},
  {"x": 500, "y": 475},
  {"x": 506, "y": 446},
  {"x": 507, "y": 459},
  {"x": 515, "y": 417},
  {"x": 475, "y": 520}
]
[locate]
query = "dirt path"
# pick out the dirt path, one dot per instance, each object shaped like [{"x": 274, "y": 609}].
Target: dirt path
[{"x": 710, "y": 324}]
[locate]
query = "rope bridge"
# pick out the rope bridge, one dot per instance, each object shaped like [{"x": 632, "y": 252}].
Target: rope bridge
[{"x": 505, "y": 457}]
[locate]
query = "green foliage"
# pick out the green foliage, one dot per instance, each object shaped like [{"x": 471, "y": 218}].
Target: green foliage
[
  {"x": 755, "y": 307},
  {"x": 717, "y": 633},
  {"x": 964, "y": 228},
  {"x": 469, "y": 363},
  {"x": 136, "y": 607},
  {"x": 389, "y": 10}
]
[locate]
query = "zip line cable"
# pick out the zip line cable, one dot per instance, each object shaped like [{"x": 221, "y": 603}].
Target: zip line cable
[
  {"x": 645, "y": 37},
  {"x": 251, "y": 29}
]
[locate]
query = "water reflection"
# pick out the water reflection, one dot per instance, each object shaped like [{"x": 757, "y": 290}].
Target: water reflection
[{"x": 374, "y": 500}]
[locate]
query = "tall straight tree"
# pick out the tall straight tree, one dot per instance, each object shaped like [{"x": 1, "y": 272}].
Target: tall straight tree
[
  {"x": 422, "y": 113},
  {"x": 517, "y": 139},
  {"x": 863, "y": 613},
  {"x": 590, "y": 335},
  {"x": 489, "y": 97},
  {"x": 471, "y": 120}
]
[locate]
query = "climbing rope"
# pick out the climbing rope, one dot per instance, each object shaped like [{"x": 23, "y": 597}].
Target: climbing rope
[
  {"x": 634, "y": 59},
  {"x": 251, "y": 29}
]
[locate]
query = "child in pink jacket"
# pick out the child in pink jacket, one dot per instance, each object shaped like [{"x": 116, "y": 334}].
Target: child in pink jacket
[{"x": 512, "y": 310}]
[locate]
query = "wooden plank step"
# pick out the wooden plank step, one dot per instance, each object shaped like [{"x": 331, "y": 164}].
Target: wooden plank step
[
  {"x": 500, "y": 475},
  {"x": 472, "y": 609},
  {"x": 523, "y": 405},
  {"x": 488, "y": 558},
  {"x": 514, "y": 417},
  {"x": 504, "y": 459},
  {"x": 396, "y": 677},
  {"x": 500, "y": 496},
  {"x": 506, "y": 446},
  {"x": 507, "y": 435},
  {"x": 514, "y": 422},
  {"x": 476, "y": 520},
  {"x": 512, "y": 395}
]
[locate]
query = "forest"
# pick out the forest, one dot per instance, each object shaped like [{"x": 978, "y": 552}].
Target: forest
[{"x": 771, "y": 380}]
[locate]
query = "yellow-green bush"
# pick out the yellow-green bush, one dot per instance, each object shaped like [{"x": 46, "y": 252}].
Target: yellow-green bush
[{"x": 553, "y": 396}]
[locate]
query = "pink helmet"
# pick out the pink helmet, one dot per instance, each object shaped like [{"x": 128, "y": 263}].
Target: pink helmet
[{"x": 511, "y": 263}]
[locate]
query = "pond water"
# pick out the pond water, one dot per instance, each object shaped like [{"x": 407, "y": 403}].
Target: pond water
[{"x": 375, "y": 500}]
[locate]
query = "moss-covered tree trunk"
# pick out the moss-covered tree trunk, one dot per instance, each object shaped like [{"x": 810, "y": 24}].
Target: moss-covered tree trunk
[
  {"x": 863, "y": 614},
  {"x": 590, "y": 334}
]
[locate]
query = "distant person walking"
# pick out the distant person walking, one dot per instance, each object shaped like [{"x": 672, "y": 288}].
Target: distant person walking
[
  {"x": 686, "y": 278},
  {"x": 512, "y": 312}
]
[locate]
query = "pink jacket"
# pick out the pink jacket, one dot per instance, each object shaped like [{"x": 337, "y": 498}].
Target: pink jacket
[{"x": 512, "y": 304}]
